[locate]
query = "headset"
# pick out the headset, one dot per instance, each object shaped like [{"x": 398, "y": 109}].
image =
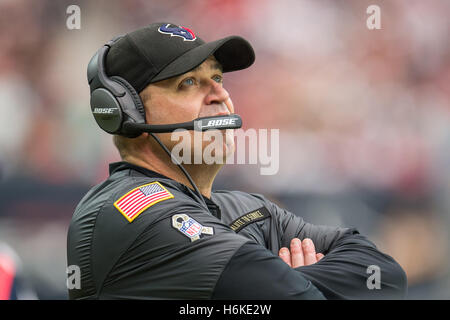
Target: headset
[{"x": 118, "y": 109}]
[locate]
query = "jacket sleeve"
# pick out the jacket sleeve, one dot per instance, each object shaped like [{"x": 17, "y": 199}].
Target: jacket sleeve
[
  {"x": 255, "y": 273},
  {"x": 355, "y": 269},
  {"x": 352, "y": 266}
]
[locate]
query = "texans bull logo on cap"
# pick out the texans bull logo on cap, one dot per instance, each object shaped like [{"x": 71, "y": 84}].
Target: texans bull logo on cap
[{"x": 177, "y": 31}]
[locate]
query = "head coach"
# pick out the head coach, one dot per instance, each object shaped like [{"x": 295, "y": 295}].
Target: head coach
[{"x": 156, "y": 230}]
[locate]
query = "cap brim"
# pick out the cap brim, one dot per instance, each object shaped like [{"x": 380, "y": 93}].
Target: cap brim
[{"x": 233, "y": 53}]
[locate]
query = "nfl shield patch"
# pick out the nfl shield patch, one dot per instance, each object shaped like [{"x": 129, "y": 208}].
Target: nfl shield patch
[{"x": 190, "y": 227}]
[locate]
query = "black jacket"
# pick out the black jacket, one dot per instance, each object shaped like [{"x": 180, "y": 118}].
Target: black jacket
[{"x": 140, "y": 235}]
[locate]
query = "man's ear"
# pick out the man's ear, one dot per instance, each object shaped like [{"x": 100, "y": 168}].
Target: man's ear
[
  {"x": 145, "y": 95},
  {"x": 145, "y": 98}
]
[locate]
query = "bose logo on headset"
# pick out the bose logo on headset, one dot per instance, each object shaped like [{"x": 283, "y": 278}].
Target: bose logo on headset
[
  {"x": 221, "y": 122},
  {"x": 105, "y": 110}
]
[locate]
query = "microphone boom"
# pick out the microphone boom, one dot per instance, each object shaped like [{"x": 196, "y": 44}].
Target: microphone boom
[{"x": 232, "y": 121}]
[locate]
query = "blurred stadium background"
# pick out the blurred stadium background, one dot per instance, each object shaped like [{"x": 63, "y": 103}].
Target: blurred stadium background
[{"x": 363, "y": 116}]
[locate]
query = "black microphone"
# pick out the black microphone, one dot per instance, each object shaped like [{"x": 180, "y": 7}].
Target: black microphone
[{"x": 232, "y": 121}]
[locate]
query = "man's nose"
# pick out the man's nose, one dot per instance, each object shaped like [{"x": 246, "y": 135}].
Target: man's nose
[{"x": 217, "y": 94}]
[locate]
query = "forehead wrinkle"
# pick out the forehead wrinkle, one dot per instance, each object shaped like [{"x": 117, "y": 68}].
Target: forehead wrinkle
[{"x": 214, "y": 66}]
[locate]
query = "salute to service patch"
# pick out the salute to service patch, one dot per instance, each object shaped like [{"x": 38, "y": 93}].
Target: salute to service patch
[
  {"x": 248, "y": 218},
  {"x": 137, "y": 200}
]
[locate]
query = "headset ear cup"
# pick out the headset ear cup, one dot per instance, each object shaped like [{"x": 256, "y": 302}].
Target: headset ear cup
[
  {"x": 134, "y": 95},
  {"x": 106, "y": 110}
]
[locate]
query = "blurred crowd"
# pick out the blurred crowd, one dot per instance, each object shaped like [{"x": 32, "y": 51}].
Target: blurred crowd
[{"x": 363, "y": 117}]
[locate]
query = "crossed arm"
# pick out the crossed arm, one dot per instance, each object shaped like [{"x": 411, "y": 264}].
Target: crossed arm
[
  {"x": 336, "y": 260},
  {"x": 343, "y": 272}
]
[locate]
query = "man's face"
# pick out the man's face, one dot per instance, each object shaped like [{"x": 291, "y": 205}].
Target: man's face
[{"x": 198, "y": 93}]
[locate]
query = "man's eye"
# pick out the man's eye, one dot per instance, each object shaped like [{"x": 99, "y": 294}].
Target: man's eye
[
  {"x": 188, "y": 82},
  {"x": 218, "y": 79}
]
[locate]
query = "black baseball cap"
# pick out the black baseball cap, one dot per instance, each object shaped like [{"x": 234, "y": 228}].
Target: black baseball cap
[{"x": 164, "y": 50}]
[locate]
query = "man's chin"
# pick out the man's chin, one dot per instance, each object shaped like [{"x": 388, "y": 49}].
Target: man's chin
[
  {"x": 218, "y": 156},
  {"x": 229, "y": 151}
]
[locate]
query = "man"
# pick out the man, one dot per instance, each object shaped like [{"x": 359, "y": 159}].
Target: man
[
  {"x": 147, "y": 233},
  {"x": 13, "y": 282}
]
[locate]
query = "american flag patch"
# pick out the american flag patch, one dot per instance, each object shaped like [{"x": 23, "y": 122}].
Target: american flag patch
[{"x": 137, "y": 200}]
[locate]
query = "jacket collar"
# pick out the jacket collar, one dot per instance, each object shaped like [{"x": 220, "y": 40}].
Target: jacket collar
[{"x": 123, "y": 165}]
